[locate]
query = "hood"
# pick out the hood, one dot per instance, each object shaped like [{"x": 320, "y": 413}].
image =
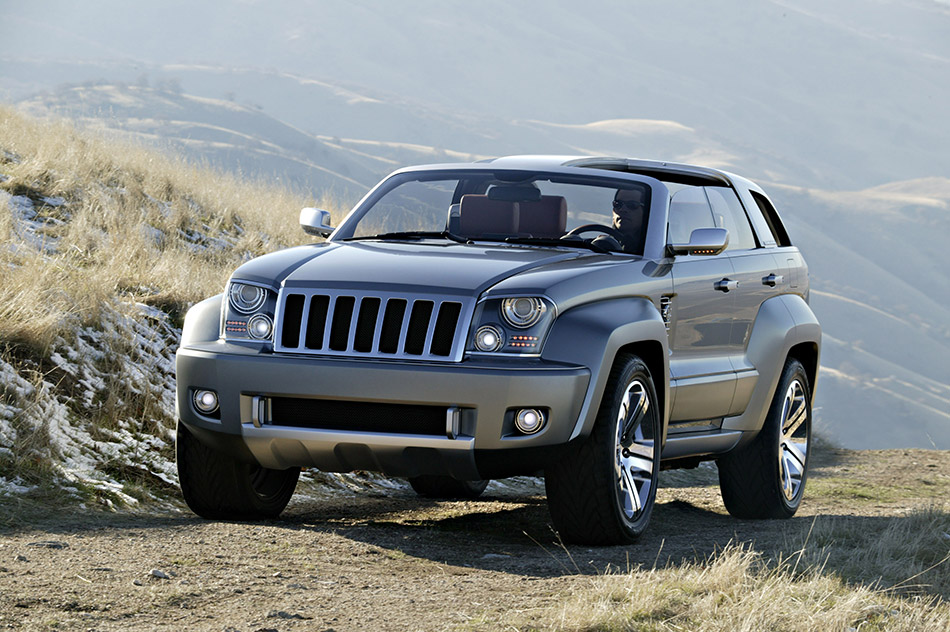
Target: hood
[{"x": 419, "y": 267}]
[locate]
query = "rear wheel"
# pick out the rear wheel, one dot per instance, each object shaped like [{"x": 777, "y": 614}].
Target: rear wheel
[
  {"x": 603, "y": 491},
  {"x": 446, "y": 487},
  {"x": 215, "y": 486},
  {"x": 766, "y": 478}
]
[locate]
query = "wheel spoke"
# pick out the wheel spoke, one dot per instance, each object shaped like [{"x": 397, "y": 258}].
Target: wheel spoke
[
  {"x": 796, "y": 418},
  {"x": 632, "y": 418},
  {"x": 795, "y": 453},
  {"x": 630, "y": 487},
  {"x": 639, "y": 464}
]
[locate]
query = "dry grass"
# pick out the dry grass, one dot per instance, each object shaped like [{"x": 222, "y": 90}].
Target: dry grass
[
  {"x": 89, "y": 228},
  {"x": 135, "y": 224},
  {"x": 839, "y": 579}
]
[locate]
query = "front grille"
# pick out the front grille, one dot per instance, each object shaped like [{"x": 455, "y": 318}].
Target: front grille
[
  {"x": 358, "y": 416},
  {"x": 378, "y": 325}
]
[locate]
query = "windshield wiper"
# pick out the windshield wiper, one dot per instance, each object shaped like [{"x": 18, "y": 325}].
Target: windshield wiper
[
  {"x": 553, "y": 241},
  {"x": 411, "y": 234}
]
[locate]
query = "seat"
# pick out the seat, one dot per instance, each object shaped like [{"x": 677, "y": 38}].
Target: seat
[
  {"x": 546, "y": 217},
  {"x": 481, "y": 216}
]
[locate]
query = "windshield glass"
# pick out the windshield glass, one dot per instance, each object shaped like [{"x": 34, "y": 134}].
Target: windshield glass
[{"x": 507, "y": 206}]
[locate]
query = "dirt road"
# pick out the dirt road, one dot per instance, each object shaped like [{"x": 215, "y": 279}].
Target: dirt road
[{"x": 387, "y": 560}]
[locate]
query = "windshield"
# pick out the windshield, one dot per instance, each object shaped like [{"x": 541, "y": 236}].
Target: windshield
[{"x": 508, "y": 207}]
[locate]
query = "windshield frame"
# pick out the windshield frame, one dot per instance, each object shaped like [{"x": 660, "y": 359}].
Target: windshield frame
[{"x": 657, "y": 214}]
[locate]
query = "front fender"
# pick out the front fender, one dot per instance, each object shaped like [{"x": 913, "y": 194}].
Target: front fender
[
  {"x": 202, "y": 322},
  {"x": 593, "y": 334}
]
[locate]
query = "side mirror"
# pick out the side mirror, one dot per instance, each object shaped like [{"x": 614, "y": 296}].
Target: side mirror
[
  {"x": 315, "y": 221},
  {"x": 703, "y": 241}
]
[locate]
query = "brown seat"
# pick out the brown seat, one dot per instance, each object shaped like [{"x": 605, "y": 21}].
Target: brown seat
[
  {"x": 479, "y": 215},
  {"x": 545, "y": 218}
]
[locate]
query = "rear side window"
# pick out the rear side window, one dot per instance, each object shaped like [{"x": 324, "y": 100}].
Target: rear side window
[
  {"x": 729, "y": 214},
  {"x": 772, "y": 219}
]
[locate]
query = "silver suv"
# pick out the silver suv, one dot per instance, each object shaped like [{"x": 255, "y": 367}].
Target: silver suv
[{"x": 591, "y": 319}]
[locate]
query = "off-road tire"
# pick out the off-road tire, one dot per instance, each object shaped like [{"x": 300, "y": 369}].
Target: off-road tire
[
  {"x": 217, "y": 487},
  {"x": 446, "y": 487},
  {"x": 751, "y": 478},
  {"x": 585, "y": 496}
]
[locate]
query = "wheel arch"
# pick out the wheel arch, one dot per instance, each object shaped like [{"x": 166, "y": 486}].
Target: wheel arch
[
  {"x": 784, "y": 327},
  {"x": 596, "y": 334}
]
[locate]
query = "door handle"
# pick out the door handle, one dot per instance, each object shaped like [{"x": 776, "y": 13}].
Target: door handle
[
  {"x": 726, "y": 284},
  {"x": 772, "y": 280}
]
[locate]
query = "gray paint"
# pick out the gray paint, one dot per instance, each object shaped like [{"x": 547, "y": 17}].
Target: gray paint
[{"x": 717, "y": 368}]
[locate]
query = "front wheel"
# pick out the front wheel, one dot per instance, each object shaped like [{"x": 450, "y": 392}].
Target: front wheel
[
  {"x": 766, "y": 478},
  {"x": 218, "y": 487},
  {"x": 604, "y": 490}
]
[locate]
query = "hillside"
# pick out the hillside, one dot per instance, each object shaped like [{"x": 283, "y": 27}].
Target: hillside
[{"x": 104, "y": 247}]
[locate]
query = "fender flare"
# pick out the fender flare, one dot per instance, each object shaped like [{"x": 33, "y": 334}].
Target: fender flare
[
  {"x": 593, "y": 334},
  {"x": 202, "y": 322},
  {"x": 782, "y": 323}
]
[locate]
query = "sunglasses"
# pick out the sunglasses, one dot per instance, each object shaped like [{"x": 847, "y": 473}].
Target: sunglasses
[{"x": 630, "y": 204}]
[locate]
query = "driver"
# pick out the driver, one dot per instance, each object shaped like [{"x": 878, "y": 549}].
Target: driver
[{"x": 629, "y": 217}]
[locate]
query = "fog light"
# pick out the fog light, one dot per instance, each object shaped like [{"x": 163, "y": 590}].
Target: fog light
[
  {"x": 529, "y": 421},
  {"x": 489, "y": 338},
  {"x": 206, "y": 401},
  {"x": 260, "y": 327}
]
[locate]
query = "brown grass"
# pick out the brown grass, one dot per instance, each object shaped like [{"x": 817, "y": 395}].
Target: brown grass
[
  {"x": 895, "y": 580},
  {"x": 136, "y": 224}
]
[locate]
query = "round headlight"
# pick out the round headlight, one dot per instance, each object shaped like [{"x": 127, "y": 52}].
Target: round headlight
[
  {"x": 489, "y": 338},
  {"x": 246, "y": 298},
  {"x": 522, "y": 312},
  {"x": 260, "y": 327}
]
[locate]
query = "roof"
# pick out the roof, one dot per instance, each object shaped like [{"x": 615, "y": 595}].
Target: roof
[{"x": 661, "y": 170}]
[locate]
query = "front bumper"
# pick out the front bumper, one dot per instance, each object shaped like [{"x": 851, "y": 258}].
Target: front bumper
[{"x": 484, "y": 391}]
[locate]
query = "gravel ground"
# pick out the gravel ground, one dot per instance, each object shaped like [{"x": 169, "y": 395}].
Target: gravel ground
[{"x": 387, "y": 560}]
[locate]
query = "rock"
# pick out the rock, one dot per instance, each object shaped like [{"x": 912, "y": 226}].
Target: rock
[
  {"x": 280, "y": 614},
  {"x": 21, "y": 558},
  {"x": 159, "y": 574},
  {"x": 49, "y": 544},
  {"x": 137, "y": 582}
]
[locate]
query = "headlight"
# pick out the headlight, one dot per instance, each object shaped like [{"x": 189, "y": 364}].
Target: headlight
[
  {"x": 246, "y": 299},
  {"x": 260, "y": 327},
  {"x": 248, "y": 312},
  {"x": 489, "y": 338},
  {"x": 523, "y": 312},
  {"x": 516, "y": 325}
]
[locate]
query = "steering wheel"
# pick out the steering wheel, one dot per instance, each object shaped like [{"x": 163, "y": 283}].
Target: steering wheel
[{"x": 600, "y": 228}]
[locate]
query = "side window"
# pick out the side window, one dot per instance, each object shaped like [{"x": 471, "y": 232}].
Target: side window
[
  {"x": 689, "y": 210},
  {"x": 772, "y": 219},
  {"x": 729, "y": 214}
]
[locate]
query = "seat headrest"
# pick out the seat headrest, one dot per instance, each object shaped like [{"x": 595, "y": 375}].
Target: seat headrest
[
  {"x": 547, "y": 217},
  {"x": 480, "y": 215}
]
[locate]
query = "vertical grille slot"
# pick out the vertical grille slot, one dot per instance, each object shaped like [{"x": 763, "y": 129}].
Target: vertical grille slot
[
  {"x": 293, "y": 314},
  {"x": 392, "y": 325},
  {"x": 340, "y": 328},
  {"x": 445, "y": 325},
  {"x": 418, "y": 327},
  {"x": 366, "y": 325},
  {"x": 317, "y": 321}
]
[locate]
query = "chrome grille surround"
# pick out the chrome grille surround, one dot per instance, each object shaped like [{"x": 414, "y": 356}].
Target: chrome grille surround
[{"x": 336, "y": 330}]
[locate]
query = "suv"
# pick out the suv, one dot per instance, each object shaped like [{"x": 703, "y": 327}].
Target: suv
[{"x": 594, "y": 319}]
